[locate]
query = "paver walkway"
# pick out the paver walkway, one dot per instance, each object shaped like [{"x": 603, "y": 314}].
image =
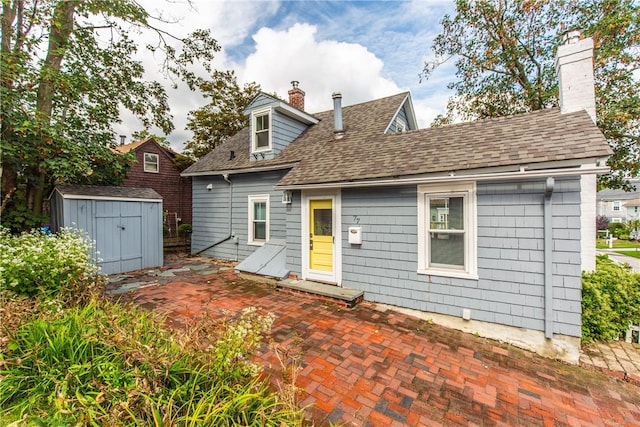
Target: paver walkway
[{"x": 366, "y": 367}]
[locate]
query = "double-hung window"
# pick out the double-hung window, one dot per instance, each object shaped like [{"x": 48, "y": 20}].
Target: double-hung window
[
  {"x": 616, "y": 205},
  {"x": 261, "y": 136},
  {"x": 151, "y": 162},
  {"x": 258, "y": 219},
  {"x": 447, "y": 230}
]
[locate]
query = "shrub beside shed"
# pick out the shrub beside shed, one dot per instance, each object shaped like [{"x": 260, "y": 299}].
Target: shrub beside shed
[{"x": 124, "y": 222}]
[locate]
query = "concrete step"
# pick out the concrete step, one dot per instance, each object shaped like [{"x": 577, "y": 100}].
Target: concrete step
[{"x": 347, "y": 296}]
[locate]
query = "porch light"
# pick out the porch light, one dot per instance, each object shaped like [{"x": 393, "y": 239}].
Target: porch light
[{"x": 286, "y": 197}]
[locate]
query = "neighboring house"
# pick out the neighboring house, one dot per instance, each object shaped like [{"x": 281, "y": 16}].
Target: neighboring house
[
  {"x": 155, "y": 169},
  {"x": 633, "y": 209},
  {"x": 491, "y": 221},
  {"x": 614, "y": 204}
]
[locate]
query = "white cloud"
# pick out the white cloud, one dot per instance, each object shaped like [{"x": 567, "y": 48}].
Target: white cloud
[
  {"x": 321, "y": 67},
  {"x": 365, "y": 50},
  {"x": 230, "y": 24}
]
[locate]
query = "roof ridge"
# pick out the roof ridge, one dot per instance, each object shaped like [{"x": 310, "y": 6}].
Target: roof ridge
[
  {"x": 475, "y": 122},
  {"x": 371, "y": 101}
]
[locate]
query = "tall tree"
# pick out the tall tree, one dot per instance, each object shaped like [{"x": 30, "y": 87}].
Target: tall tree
[
  {"x": 65, "y": 72},
  {"x": 504, "y": 54},
  {"x": 223, "y": 116}
]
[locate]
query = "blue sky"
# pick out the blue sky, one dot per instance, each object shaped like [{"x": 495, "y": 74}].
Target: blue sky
[{"x": 363, "y": 49}]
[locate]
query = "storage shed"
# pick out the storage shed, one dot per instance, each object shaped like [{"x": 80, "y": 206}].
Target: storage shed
[{"x": 124, "y": 222}]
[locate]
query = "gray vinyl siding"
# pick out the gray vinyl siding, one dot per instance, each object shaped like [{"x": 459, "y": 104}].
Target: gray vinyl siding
[
  {"x": 402, "y": 116},
  {"x": 283, "y": 130},
  {"x": 211, "y": 213},
  {"x": 510, "y": 288},
  {"x": 259, "y": 103},
  {"x": 77, "y": 213},
  {"x": 294, "y": 234}
]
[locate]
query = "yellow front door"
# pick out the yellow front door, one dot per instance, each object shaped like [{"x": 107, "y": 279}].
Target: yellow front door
[{"x": 321, "y": 235}]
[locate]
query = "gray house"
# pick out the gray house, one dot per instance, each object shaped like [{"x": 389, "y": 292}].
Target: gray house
[
  {"x": 619, "y": 205},
  {"x": 483, "y": 226}
]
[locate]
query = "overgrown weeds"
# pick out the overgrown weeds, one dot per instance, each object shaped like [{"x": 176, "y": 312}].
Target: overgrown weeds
[
  {"x": 68, "y": 356},
  {"x": 109, "y": 364}
]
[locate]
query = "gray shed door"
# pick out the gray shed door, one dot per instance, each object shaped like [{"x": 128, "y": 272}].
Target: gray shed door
[{"x": 119, "y": 235}]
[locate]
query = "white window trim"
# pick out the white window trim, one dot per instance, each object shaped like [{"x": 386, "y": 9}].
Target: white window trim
[
  {"x": 144, "y": 161},
  {"x": 251, "y": 200},
  {"x": 258, "y": 113},
  {"x": 468, "y": 191},
  {"x": 617, "y": 205}
]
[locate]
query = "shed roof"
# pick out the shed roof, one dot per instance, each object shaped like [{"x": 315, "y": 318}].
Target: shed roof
[{"x": 105, "y": 192}]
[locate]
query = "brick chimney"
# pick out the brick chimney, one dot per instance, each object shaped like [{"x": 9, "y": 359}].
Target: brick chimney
[
  {"x": 574, "y": 66},
  {"x": 296, "y": 96}
]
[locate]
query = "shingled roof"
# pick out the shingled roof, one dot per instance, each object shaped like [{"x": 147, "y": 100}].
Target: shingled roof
[
  {"x": 366, "y": 153},
  {"x": 366, "y": 119},
  {"x": 125, "y": 148},
  {"x": 90, "y": 191}
]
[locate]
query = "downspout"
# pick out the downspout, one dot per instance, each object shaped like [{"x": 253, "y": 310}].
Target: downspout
[
  {"x": 229, "y": 234},
  {"x": 548, "y": 259}
]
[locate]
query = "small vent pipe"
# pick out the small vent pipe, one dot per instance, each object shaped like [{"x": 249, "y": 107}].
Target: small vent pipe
[{"x": 338, "y": 132}]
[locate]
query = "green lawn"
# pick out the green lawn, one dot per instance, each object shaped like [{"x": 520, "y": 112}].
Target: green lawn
[
  {"x": 617, "y": 244},
  {"x": 635, "y": 254}
]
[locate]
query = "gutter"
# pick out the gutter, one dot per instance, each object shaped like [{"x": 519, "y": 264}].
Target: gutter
[
  {"x": 238, "y": 171},
  {"x": 548, "y": 258},
  {"x": 229, "y": 234},
  {"x": 452, "y": 176}
]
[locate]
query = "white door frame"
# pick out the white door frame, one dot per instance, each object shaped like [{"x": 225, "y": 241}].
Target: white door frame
[{"x": 334, "y": 277}]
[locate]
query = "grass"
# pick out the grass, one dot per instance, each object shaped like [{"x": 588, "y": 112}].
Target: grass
[
  {"x": 617, "y": 244},
  {"x": 635, "y": 254}
]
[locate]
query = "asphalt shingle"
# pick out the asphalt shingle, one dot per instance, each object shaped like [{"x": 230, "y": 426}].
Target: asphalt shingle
[
  {"x": 105, "y": 191},
  {"x": 366, "y": 153}
]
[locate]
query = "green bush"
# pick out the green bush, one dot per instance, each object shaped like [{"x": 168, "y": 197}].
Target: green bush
[
  {"x": 117, "y": 365},
  {"x": 610, "y": 300},
  {"x": 184, "y": 229},
  {"x": 617, "y": 228},
  {"x": 36, "y": 264}
]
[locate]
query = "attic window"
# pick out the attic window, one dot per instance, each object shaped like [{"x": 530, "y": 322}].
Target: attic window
[
  {"x": 261, "y": 135},
  {"x": 151, "y": 163}
]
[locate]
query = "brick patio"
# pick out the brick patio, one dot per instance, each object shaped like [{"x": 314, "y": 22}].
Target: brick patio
[{"x": 366, "y": 367}]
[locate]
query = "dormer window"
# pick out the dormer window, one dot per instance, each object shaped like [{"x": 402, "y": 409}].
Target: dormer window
[{"x": 261, "y": 136}]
